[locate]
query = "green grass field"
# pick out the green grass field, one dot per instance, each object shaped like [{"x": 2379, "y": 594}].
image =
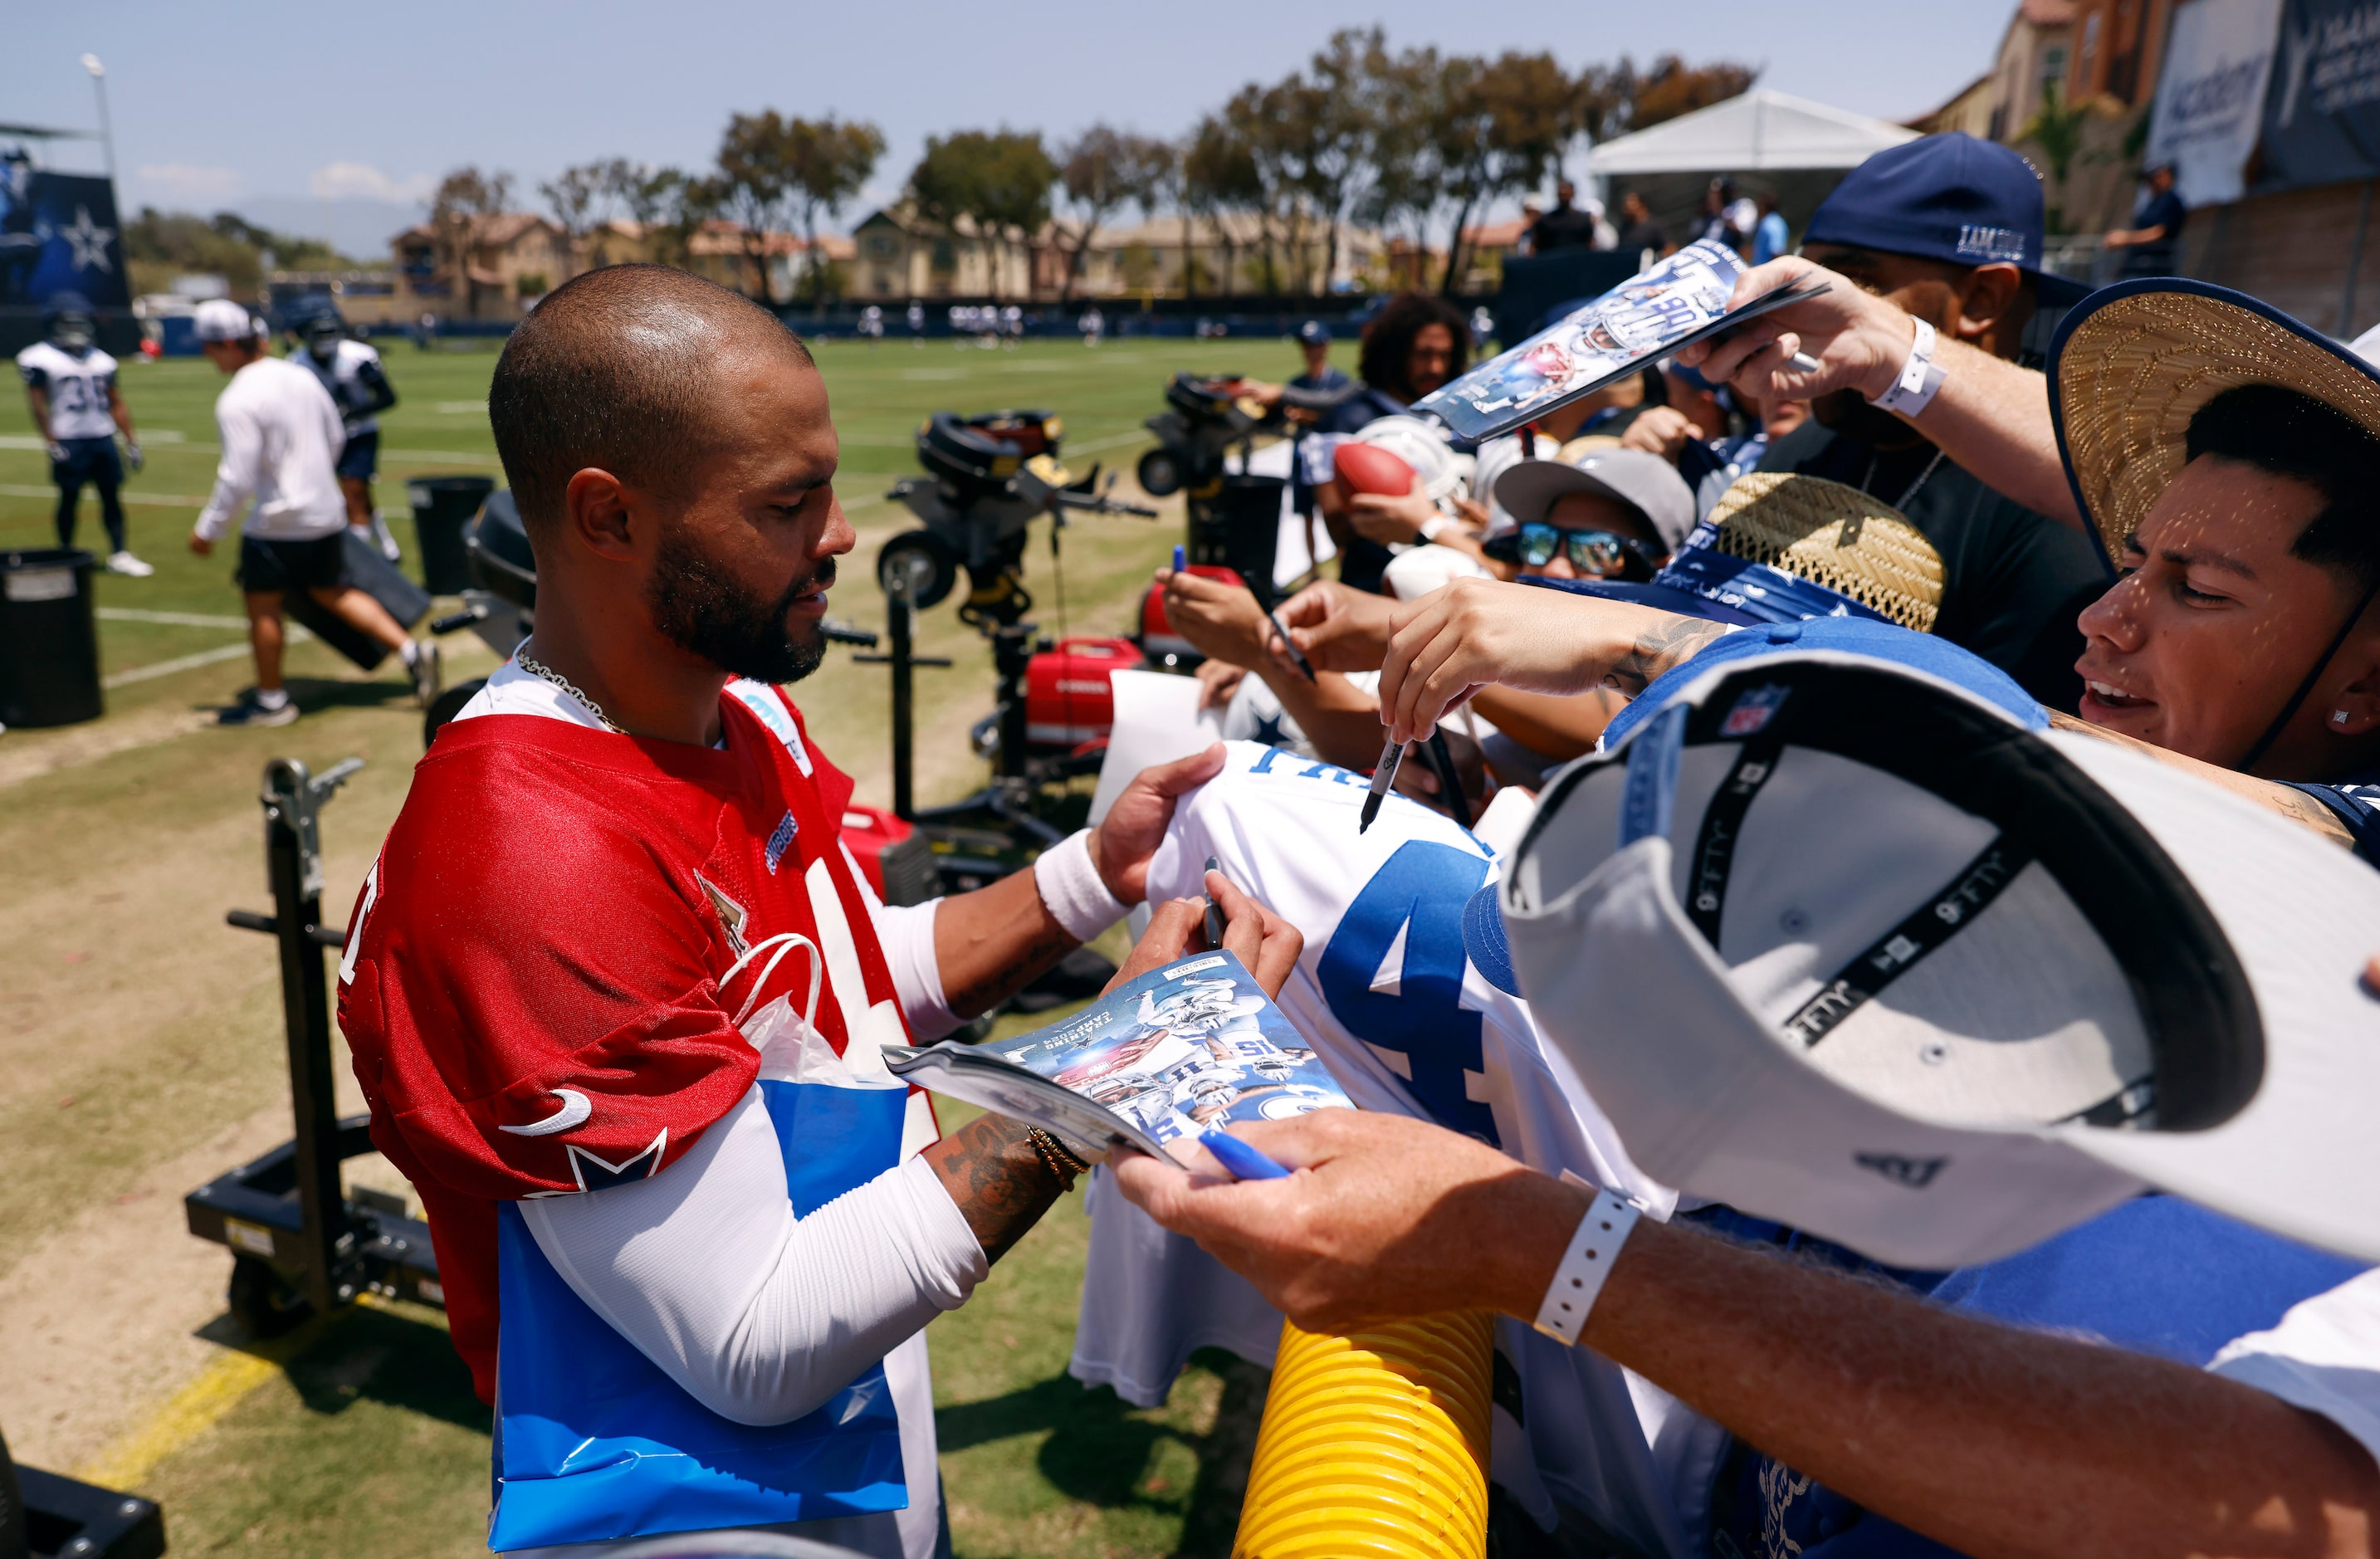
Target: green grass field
[{"x": 140, "y": 1043}]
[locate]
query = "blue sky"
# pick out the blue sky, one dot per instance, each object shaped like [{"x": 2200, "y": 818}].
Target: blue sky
[{"x": 299, "y": 115}]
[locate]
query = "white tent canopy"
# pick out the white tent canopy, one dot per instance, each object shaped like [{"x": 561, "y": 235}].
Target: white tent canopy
[{"x": 1754, "y": 132}]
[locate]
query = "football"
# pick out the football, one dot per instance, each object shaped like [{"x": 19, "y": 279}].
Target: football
[{"x": 1367, "y": 467}]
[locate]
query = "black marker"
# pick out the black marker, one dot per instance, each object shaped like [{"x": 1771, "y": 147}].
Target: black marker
[
  {"x": 1214, "y": 912},
  {"x": 1382, "y": 777},
  {"x": 1288, "y": 643}
]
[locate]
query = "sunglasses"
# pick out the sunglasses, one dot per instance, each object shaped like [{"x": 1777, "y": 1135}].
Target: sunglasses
[{"x": 1599, "y": 552}]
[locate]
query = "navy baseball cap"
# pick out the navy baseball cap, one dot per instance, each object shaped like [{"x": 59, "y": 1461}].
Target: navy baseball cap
[
  {"x": 1945, "y": 197},
  {"x": 1484, "y": 936},
  {"x": 1313, "y": 333}
]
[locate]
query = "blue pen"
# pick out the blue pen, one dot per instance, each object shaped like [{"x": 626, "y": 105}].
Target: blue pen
[
  {"x": 1178, "y": 559},
  {"x": 1243, "y": 1162}
]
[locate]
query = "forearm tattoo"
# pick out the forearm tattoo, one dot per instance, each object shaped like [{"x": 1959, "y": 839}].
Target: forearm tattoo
[
  {"x": 1665, "y": 644},
  {"x": 999, "y": 1181},
  {"x": 996, "y": 985}
]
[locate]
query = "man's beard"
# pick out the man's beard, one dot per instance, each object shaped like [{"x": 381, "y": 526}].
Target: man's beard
[{"x": 704, "y": 613}]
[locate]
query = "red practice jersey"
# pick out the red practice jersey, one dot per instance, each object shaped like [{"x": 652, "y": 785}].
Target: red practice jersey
[{"x": 531, "y": 991}]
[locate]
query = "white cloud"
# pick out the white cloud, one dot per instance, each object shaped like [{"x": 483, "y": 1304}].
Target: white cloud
[
  {"x": 185, "y": 181},
  {"x": 362, "y": 181}
]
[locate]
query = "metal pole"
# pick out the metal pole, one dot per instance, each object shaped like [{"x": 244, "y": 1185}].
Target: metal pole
[
  {"x": 2346, "y": 330},
  {"x": 107, "y": 126},
  {"x": 899, "y": 609},
  {"x": 294, "y": 864}
]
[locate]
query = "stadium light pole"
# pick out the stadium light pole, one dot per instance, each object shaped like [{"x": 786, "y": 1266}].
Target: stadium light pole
[{"x": 107, "y": 126}]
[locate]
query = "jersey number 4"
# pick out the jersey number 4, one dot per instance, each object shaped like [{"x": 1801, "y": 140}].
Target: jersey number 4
[{"x": 1420, "y": 891}]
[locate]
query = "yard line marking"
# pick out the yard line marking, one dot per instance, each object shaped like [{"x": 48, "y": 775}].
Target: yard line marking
[
  {"x": 458, "y": 408},
  {"x": 223, "y": 1386},
  {"x": 170, "y": 620},
  {"x": 190, "y": 1412},
  {"x": 457, "y": 456},
  {"x": 297, "y": 635},
  {"x": 167, "y": 500}
]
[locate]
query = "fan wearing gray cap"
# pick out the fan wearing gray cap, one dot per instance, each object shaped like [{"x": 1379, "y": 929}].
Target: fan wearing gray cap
[
  {"x": 1610, "y": 514},
  {"x": 1842, "y": 933}
]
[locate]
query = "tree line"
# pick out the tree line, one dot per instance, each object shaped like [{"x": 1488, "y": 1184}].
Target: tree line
[{"x": 1410, "y": 141}]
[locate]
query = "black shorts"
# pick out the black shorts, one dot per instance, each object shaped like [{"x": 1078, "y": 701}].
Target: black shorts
[
  {"x": 88, "y": 460},
  {"x": 266, "y": 567},
  {"x": 359, "y": 456}
]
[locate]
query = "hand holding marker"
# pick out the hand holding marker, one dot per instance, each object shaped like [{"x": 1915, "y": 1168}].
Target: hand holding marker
[{"x": 1243, "y": 1162}]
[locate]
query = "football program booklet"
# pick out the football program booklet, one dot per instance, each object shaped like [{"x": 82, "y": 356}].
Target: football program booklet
[
  {"x": 1156, "y": 1064},
  {"x": 1680, "y": 299}
]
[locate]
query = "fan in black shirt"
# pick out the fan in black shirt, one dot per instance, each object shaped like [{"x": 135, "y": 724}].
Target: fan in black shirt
[{"x": 2012, "y": 580}]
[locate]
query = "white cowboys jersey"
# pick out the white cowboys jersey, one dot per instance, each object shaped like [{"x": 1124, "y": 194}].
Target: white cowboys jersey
[
  {"x": 1386, "y": 996},
  {"x": 340, "y": 379},
  {"x": 77, "y": 386}
]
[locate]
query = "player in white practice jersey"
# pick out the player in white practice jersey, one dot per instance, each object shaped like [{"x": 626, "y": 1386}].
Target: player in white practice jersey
[
  {"x": 78, "y": 411},
  {"x": 351, "y": 371},
  {"x": 1385, "y": 994}
]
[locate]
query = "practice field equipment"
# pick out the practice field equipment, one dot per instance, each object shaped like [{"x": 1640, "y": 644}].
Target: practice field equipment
[
  {"x": 299, "y": 1245},
  {"x": 49, "y": 638},
  {"x": 500, "y": 605},
  {"x": 376, "y": 576},
  {"x": 1374, "y": 1443},
  {"x": 1208, "y": 427},
  {"x": 990, "y": 476}
]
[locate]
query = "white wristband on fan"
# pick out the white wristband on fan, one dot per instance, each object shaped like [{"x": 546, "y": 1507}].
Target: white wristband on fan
[
  {"x": 1920, "y": 376},
  {"x": 1585, "y": 1266},
  {"x": 1070, "y": 885}
]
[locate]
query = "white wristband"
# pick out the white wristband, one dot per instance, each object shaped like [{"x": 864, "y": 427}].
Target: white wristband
[
  {"x": 1432, "y": 528},
  {"x": 1608, "y": 1222},
  {"x": 1912, "y": 389},
  {"x": 1070, "y": 885}
]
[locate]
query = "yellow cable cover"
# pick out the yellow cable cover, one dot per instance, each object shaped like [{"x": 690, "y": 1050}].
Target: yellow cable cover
[{"x": 1375, "y": 1444}]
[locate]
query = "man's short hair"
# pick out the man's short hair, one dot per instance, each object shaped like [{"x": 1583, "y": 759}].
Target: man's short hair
[
  {"x": 618, "y": 370},
  {"x": 2292, "y": 434}
]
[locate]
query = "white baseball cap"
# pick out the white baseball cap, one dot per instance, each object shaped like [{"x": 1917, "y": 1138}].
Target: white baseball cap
[
  {"x": 1867, "y": 949},
  {"x": 220, "y": 319}
]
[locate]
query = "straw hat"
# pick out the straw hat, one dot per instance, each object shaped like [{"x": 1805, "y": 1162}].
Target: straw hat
[
  {"x": 2132, "y": 364},
  {"x": 1832, "y": 535}
]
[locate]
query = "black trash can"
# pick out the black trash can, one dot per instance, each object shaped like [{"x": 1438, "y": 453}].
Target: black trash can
[
  {"x": 442, "y": 506},
  {"x": 48, "y": 637}
]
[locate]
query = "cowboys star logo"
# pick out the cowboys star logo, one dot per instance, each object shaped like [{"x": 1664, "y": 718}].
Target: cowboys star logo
[{"x": 89, "y": 241}]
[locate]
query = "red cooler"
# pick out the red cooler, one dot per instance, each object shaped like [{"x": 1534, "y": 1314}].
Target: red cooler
[{"x": 1067, "y": 700}]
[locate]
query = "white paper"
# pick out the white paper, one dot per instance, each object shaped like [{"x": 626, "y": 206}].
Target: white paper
[{"x": 1157, "y": 720}]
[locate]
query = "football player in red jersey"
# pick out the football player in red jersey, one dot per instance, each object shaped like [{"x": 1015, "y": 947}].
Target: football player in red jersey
[{"x": 616, "y": 990}]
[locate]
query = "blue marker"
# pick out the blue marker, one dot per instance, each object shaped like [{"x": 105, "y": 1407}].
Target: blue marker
[
  {"x": 1243, "y": 1162},
  {"x": 1178, "y": 559}
]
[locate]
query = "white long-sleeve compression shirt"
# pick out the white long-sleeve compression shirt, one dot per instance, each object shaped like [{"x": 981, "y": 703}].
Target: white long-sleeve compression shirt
[{"x": 759, "y": 1315}]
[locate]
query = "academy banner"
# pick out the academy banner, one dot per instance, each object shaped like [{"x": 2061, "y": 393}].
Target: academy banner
[
  {"x": 2322, "y": 119},
  {"x": 2211, "y": 96},
  {"x": 58, "y": 233}
]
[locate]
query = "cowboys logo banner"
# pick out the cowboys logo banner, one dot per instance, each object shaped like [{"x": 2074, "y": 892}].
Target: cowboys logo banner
[{"x": 58, "y": 233}]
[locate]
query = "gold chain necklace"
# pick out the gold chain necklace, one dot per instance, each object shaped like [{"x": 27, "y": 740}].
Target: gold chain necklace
[{"x": 535, "y": 668}]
